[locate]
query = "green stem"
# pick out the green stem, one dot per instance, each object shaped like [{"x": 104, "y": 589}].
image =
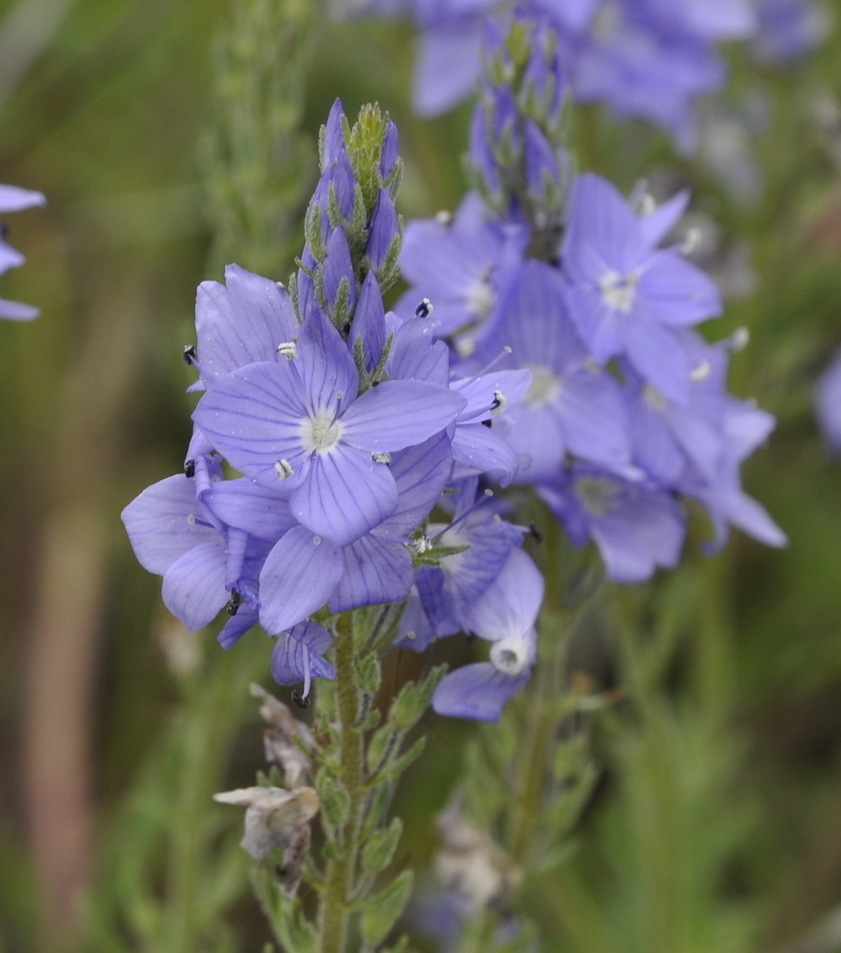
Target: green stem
[
  {"x": 341, "y": 866},
  {"x": 541, "y": 719},
  {"x": 532, "y": 768}
]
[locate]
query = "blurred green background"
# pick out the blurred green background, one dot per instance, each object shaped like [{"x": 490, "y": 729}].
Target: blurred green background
[{"x": 717, "y": 824}]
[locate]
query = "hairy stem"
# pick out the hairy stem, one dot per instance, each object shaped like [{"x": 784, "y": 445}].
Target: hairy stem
[{"x": 341, "y": 867}]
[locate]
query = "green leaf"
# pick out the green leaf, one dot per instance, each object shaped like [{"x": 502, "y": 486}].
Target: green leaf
[
  {"x": 369, "y": 672},
  {"x": 335, "y": 801},
  {"x": 380, "y": 913},
  {"x": 396, "y": 766},
  {"x": 433, "y": 557},
  {"x": 380, "y": 847},
  {"x": 414, "y": 699},
  {"x": 379, "y": 745}
]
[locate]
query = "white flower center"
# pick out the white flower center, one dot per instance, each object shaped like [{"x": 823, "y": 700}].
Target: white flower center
[
  {"x": 321, "y": 432},
  {"x": 597, "y": 494},
  {"x": 619, "y": 291},
  {"x": 481, "y": 298},
  {"x": 512, "y": 654},
  {"x": 544, "y": 388}
]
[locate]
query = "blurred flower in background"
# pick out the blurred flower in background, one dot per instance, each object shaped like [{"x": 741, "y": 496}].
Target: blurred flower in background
[{"x": 15, "y": 199}]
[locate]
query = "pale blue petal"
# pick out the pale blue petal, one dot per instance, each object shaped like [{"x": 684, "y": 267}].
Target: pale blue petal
[
  {"x": 236, "y": 626},
  {"x": 658, "y": 356},
  {"x": 328, "y": 372},
  {"x": 298, "y": 577},
  {"x": 676, "y": 292},
  {"x": 595, "y": 422},
  {"x": 510, "y": 604},
  {"x": 420, "y": 473},
  {"x": 479, "y": 450},
  {"x": 253, "y": 417},
  {"x": 194, "y": 585},
  {"x": 15, "y": 199},
  {"x": 375, "y": 570},
  {"x": 447, "y": 67},
  {"x": 255, "y": 509},
  {"x": 14, "y": 311},
  {"x": 164, "y": 522},
  {"x": 241, "y": 322},
  {"x": 344, "y": 495},
  {"x": 476, "y": 691},
  {"x": 399, "y": 414},
  {"x": 298, "y": 655}
]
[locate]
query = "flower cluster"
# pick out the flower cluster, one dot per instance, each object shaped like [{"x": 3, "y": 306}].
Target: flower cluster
[
  {"x": 14, "y": 199},
  {"x": 628, "y": 413},
  {"x": 348, "y": 425},
  {"x": 646, "y": 58}
]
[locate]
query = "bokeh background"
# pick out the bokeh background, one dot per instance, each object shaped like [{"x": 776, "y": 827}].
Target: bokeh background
[{"x": 716, "y": 823}]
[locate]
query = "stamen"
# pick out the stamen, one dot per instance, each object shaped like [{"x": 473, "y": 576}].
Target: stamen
[
  {"x": 191, "y": 519},
  {"x": 307, "y": 672},
  {"x": 691, "y": 242},
  {"x": 647, "y": 205},
  {"x": 299, "y": 700},
  {"x": 498, "y": 403},
  {"x": 701, "y": 372},
  {"x": 487, "y": 494},
  {"x": 443, "y": 217},
  {"x": 233, "y": 604},
  {"x": 283, "y": 469},
  {"x": 316, "y": 540},
  {"x": 190, "y": 354},
  {"x": 424, "y": 308},
  {"x": 381, "y": 458},
  {"x": 288, "y": 349},
  {"x": 190, "y": 469},
  {"x": 422, "y": 544},
  {"x": 488, "y": 367},
  {"x": 739, "y": 339}
]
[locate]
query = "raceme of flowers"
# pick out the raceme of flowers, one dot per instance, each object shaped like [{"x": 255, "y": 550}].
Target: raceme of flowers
[
  {"x": 548, "y": 338},
  {"x": 645, "y": 58},
  {"x": 15, "y": 199},
  {"x": 628, "y": 411},
  {"x": 348, "y": 427}
]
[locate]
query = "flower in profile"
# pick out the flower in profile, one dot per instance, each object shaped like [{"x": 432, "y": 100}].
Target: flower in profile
[
  {"x": 14, "y": 199},
  {"x": 505, "y": 615}
]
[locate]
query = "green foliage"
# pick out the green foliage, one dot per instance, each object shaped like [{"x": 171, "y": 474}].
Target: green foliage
[
  {"x": 174, "y": 868},
  {"x": 255, "y": 156},
  {"x": 380, "y": 913},
  {"x": 380, "y": 847}
]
